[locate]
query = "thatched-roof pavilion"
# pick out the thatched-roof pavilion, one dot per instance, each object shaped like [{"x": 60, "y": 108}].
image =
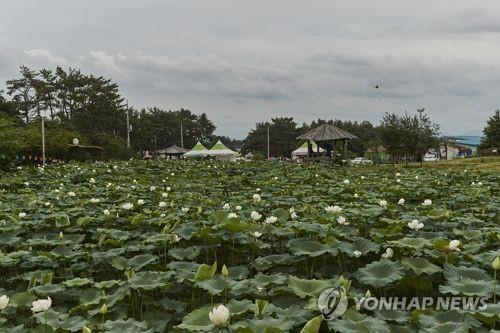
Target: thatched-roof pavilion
[
  {"x": 326, "y": 136},
  {"x": 172, "y": 152}
]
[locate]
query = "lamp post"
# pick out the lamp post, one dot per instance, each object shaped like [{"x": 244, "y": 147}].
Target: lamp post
[{"x": 43, "y": 142}]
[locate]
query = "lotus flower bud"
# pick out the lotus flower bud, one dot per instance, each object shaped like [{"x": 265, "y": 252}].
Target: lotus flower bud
[
  {"x": 496, "y": 264},
  {"x": 224, "y": 271}
]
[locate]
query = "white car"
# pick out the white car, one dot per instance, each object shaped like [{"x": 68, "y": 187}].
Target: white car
[{"x": 360, "y": 161}]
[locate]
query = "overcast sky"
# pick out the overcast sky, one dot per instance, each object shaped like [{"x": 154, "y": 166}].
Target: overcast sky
[{"x": 247, "y": 61}]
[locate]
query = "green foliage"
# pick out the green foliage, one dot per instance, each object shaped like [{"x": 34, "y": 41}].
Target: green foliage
[{"x": 491, "y": 131}]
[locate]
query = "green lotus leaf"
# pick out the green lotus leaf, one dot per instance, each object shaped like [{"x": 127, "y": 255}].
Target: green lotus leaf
[
  {"x": 448, "y": 320},
  {"x": 266, "y": 325},
  {"x": 308, "y": 288},
  {"x": 313, "y": 325},
  {"x": 309, "y": 248},
  {"x": 420, "y": 265},
  {"x": 216, "y": 285},
  {"x": 126, "y": 326},
  {"x": 380, "y": 273},
  {"x": 77, "y": 282},
  {"x": 360, "y": 244},
  {"x": 467, "y": 287},
  {"x": 148, "y": 280},
  {"x": 73, "y": 323},
  {"x": 21, "y": 299},
  {"x": 263, "y": 263},
  {"x": 438, "y": 214},
  {"x": 205, "y": 272},
  {"x": 107, "y": 284},
  {"x": 366, "y": 325},
  {"x": 469, "y": 234},
  {"x": 184, "y": 253},
  {"x": 197, "y": 320},
  {"x": 90, "y": 296},
  {"x": 237, "y": 307},
  {"x": 455, "y": 273},
  {"x": 136, "y": 263},
  {"x": 414, "y": 243},
  {"x": 49, "y": 289}
]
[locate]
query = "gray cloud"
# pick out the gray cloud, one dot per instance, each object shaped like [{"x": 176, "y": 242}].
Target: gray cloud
[{"x": 242, "y": 64}]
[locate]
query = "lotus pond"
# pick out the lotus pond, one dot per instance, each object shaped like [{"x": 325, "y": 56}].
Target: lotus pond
[{"x": 155, "y": 246}]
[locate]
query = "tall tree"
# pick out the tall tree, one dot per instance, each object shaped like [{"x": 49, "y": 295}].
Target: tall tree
[{"x": 491, "y": 131}]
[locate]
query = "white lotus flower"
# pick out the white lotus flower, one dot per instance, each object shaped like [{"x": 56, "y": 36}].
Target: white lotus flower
[
  {"x": 291, "y": 210},
  {"x": 362, "y": 177},
  {"x": 127, "y": 206},
  {"x": 175, "y": 238},
  {"x": 356, "y": 195},
  {"x": 140, "y": 202},
  {"x": 454, "y": 245},
  {"x": 256, "y": 197},
  {"x": 294, "y": 215},
  {"x": 168, "y": 188},
  {"x": 346, "y": 181},
  {"x": 271, "y": 219},
  {"x": 22, "y": 214},
  {"x": 94, "y": 200},
  {"x": 342, "y": 220},
  {"x": 388, "y": 253},
  {"x": 415, "y": 225},
  {"x": 255, "y": 216},
  {"x": 226, "y": 206},
  {"x": 164, "y": 194},
  {"x": 398, "y": 180},
  {"x": 185, "y": 209},
  {"x": 4, "y": 301},
  {"x": 416, "y": 177},
  {"x": 71, "y": 194},
  {"x": 398, "y": 174},
  {"x": 333, "y": 209},
  {"x": 162, "y": 215},
  {"x": 106, "y": 212},
  {"x": 56, "y": 190},
  {"x": 357, "y": 254},
  {"x": 382, "y": 203},
  {"x": 427, "y": 202},
  {"x": 219, "y": 315},
  {"x": 479, "y": 183},
  {"x": 162, "y": 204},
  {"x": 257, "y": 234},
  {"x": 401, "y": 201},
  {"x": 41, "y": 305},
  {"x": 257, "y": 189},
  {"x": 152, "y": 188},
  {"x": 232, "y": 215},
  {"x": 92, "y": 180},
  {"x": 47, "y": 204}
]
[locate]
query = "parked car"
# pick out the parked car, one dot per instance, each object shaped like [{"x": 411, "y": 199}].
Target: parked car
[{"x": 360, "y": 161}]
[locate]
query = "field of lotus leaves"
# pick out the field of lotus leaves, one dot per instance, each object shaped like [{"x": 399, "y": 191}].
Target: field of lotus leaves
[{"x": 155, "y": 246}]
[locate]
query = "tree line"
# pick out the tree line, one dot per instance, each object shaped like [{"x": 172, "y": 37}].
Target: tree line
[{"x": 92, "y": 109}]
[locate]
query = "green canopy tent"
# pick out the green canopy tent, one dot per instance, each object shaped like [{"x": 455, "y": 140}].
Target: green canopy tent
[{"x": 198, "y": 150}]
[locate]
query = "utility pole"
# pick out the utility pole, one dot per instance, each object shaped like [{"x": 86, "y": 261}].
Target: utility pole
[
  {"x": 268, "y": 151},
  {"x": 128, "y": 128},
  {"x": 182, "y": 137},
  {"x": 43, "y": 142},
  {"x": 156, "y": 148}
]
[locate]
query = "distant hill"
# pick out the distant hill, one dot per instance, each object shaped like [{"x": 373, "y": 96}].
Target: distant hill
[{"x": 472, "y": 133}]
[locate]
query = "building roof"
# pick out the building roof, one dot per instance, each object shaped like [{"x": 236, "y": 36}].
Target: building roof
[
  {"x": 173, "y": 150},
  {"x": 326, "y": 132}
]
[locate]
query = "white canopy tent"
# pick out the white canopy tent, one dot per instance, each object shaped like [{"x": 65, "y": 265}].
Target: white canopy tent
[
  {"x": 221, "y": 151},
  {"x": 198, "y": 150},
  {"x": 301, "y": 152}
]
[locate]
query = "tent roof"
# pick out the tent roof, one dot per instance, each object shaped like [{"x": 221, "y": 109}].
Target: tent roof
[
  {"x": 220, "y": 149},
  {"x": 197, "y": 150},
  {"x": 174, "y": 150},
  {"x": 303, "y": 150},
  {"x": 326, "y": 132}
]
